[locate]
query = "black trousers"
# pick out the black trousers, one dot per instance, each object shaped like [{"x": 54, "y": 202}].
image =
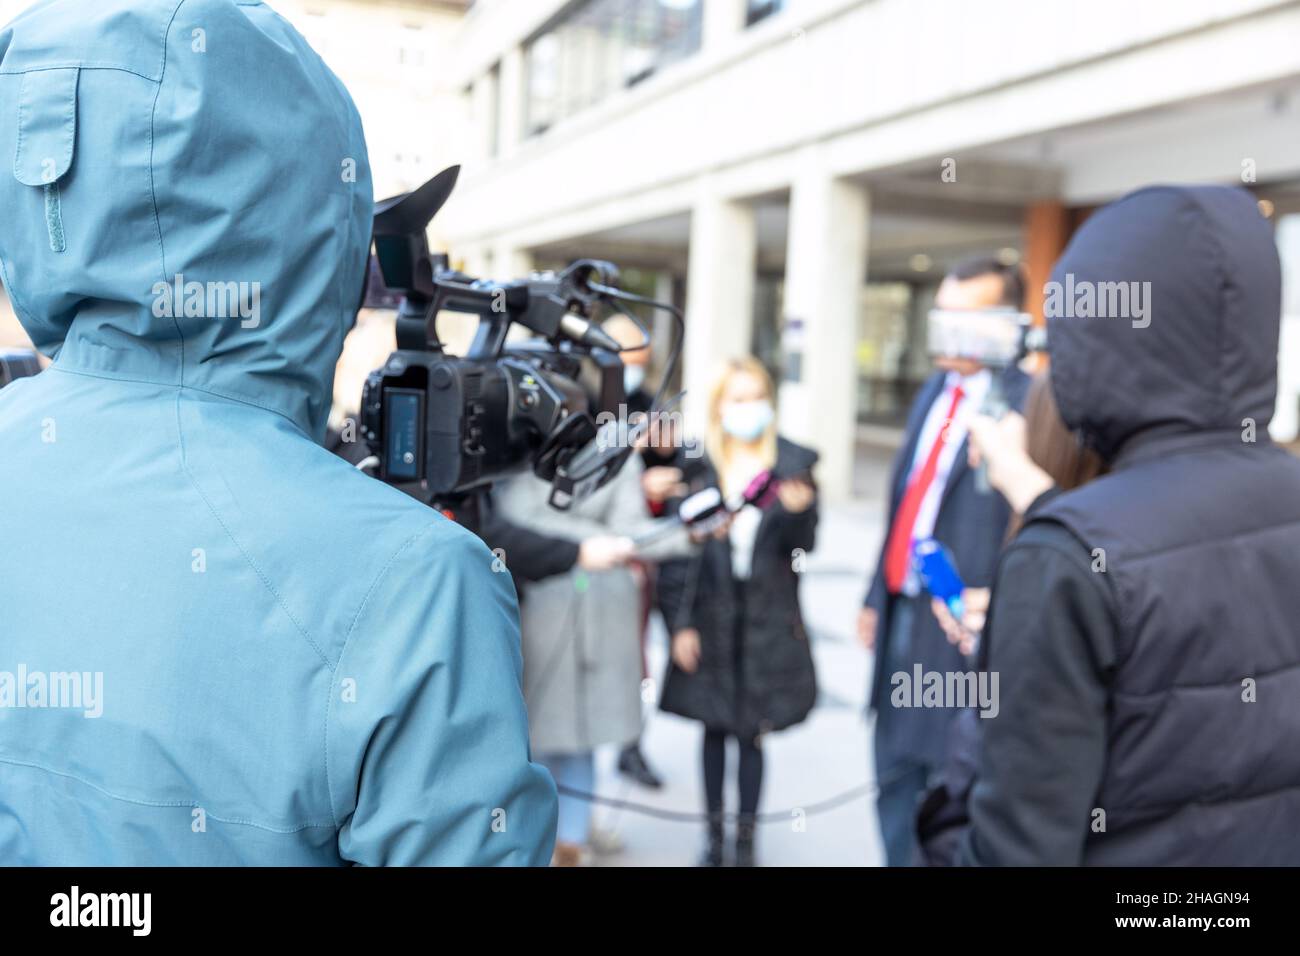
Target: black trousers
[
  {"x": 749, "y": 775},
  {"x": 750, "y": 770}
]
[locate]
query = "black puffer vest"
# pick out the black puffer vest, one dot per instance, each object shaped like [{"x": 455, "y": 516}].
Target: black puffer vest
[
  {"x": 1201, "y": 544},
  {"x": 1198, "y": 525}
]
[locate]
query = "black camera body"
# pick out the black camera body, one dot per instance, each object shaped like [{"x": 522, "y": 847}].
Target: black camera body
[
  {"x": 453, "y": 424},
  {"x": 444, "y": 427}
]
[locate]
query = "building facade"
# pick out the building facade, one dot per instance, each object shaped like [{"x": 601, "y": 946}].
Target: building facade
[
  {"x": 799, "y": 173},
  {"x": 394, "y": 56}
]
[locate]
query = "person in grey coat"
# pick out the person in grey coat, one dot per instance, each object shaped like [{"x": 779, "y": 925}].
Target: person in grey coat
[{"x": 581, "y": 638}]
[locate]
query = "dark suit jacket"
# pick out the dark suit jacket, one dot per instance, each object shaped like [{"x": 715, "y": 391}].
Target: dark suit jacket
[{"x": 972, "y": 524}]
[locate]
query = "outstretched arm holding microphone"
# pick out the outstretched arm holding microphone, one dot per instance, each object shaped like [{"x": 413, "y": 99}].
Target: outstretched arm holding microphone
[{"x": 999, "y": 447}]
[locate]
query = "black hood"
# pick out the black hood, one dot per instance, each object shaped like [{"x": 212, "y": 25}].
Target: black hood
[{"x": 1197, "y": 348}]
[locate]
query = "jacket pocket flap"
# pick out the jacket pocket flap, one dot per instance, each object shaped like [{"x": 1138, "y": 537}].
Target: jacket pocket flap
[{"x": 47, "y": 125}]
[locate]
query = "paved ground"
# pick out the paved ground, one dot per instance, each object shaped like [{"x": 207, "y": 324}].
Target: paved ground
[{"x": 825, "y": 756}]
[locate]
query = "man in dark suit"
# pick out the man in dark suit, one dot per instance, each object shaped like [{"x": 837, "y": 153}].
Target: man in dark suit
[{"x": 933, "y": 493}]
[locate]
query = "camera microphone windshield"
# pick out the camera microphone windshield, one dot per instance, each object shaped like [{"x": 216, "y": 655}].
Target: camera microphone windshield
[{"x": 584, "y": 332}]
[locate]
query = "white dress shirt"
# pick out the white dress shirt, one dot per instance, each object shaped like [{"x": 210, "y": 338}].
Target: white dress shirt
[
  {"x": 975, "y": 388},
  {"x": 744, "y": 526}
]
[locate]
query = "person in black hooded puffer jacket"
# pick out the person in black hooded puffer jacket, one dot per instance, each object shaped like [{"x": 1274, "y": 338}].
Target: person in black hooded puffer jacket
[{"x": 1146, "y": 626}]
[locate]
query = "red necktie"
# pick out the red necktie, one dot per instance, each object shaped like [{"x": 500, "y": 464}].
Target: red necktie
[{"x": 898, "y": 551}]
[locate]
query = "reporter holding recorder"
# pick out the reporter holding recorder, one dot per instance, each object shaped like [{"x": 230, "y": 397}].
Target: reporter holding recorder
[
  {"x": 1144, "y": 624},
  {"x": 1030, "y": 460},
  {"x": 741, "y": 663}
]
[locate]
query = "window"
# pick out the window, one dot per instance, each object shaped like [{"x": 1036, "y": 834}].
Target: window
[
  {"x": 494, "y": 111},
  {"x": 756, "y": 10},
  {"x": 600, "y": 47},
  {"x": 543, "y": 82}
]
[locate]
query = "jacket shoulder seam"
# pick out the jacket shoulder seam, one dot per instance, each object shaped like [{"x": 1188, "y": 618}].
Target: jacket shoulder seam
[
  {"x": 1018, "y": 545},
  {"x": 1210, "y": 685},
  {"x": 57, "y": 366},
  {"x": 347, "y": 640},
  {"x": 1226, "y": 801},
  {"x": 252, "y": 563},
  {"x": 1174, "y": 548},
  {"x": 153, "y": 188},
  {"x": 161, "y": 804}
]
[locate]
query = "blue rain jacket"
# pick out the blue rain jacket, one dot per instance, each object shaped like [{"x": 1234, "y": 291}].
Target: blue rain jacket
[{"x": 220, "y": 644}]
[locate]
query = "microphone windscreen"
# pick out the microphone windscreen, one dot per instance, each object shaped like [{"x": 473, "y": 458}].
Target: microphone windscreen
[
  {"x": 700, "y": 505},
  {"x": 761, "y": 490}
]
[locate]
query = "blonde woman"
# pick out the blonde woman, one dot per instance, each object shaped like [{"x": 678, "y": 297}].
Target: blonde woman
[{"x": 740, "y": 662}]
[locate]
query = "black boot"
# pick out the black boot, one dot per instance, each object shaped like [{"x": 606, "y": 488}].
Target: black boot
[
  {"x": 745, "y": 840},
  {"x": 712, "y": 855},
  {"x": 632, "y": 763}
]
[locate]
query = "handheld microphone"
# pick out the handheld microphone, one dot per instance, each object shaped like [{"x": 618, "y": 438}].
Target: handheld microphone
[
  {"x": 938, "y": 573},
  {"x": 707, "y": 510},
  {"x": 760, "y": 492},
  {"x": 704, "y": 511}
]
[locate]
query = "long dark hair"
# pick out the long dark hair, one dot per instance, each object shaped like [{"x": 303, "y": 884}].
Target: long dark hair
[{"x": 1052, "y": 446}]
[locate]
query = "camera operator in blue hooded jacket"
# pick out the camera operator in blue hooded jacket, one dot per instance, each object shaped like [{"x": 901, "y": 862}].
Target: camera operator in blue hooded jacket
[{"x": 261, "y": 655}]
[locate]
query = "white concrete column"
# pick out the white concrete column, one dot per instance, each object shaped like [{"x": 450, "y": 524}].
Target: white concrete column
[
  {"x": 663, "y": 290},
  {"x": 663, "y": 331},
  {"x": 722, "y": 20},
  {"x": 826, "y": 263},
  {"x": 1286, "y": 419},
  {"x": 483, "y": 118},
  {"x": 510, "y": 97},
  {"x": 719, "y": 296},
  {"x": 509, "y": 261},
  {"x": 474, "y": 260}
]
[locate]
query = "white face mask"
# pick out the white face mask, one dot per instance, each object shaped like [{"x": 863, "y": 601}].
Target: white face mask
[
  {"x": 746, "y": 421},
  {"x": 633, "y": 378}
]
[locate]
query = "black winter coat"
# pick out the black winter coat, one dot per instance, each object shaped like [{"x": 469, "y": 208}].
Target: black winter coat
[
  {"x": 770, "y": 683},
  {"x": 532, "y": 556},
  {"x": 1144, "y": 625}
]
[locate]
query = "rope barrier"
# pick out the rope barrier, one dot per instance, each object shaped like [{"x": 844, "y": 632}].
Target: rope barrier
[
  {"x": 547, "y": 674},
  {"x": 866, "y": 789}
]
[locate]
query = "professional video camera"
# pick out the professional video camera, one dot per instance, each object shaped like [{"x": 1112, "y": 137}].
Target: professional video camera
[{"x": 444, "y": 427}]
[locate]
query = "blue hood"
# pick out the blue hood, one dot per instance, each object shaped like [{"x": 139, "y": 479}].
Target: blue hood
[
  {"x": 259, "y": 654},
  {"x": 235, "y": 266}
]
